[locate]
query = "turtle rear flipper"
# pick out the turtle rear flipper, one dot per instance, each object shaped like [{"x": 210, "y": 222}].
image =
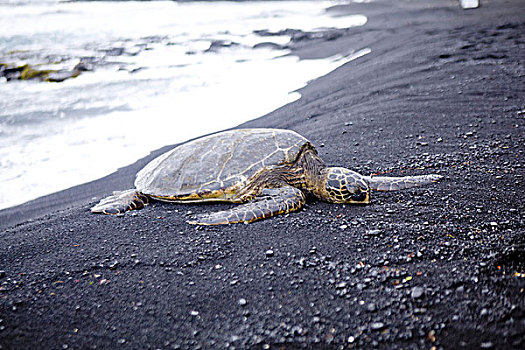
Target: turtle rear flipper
[
  {"x": 272, "y": 201},
  {"x": 383, "y": 183},
  {"x": 120, "y": 202}
]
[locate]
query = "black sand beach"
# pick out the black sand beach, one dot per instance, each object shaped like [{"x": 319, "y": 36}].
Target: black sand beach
[{"x": 442, "y": 91}]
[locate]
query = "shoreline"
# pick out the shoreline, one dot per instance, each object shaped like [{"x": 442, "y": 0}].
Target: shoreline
[
  {"x": 126, "y": 79},
  {"x": 441, "y": 91}
]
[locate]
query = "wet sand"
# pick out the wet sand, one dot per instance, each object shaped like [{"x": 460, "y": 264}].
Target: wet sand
[{"x": 442, "y": 91}]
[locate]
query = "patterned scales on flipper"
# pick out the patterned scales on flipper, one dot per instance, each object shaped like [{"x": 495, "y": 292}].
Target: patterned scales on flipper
[
  {"x": 272, "y": 201},
  {"x": 120, "y": 202},
  {"x": 383, "y": 183}
]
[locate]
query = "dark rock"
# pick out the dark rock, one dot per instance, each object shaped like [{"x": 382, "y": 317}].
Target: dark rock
[
  {"x": 219, "y": 44},
  {"x": 269, "y": 45},
  {"x": 288, "y": 32},
  {"x": 115, "y": 51},
  {"x": 84, "y": 67}
]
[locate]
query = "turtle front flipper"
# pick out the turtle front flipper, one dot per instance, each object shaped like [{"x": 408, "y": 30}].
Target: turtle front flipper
[
  {"x": 272, "y": 201},
  {"x": 120, "y": 202},
  {"x": 384, "y": 183}
]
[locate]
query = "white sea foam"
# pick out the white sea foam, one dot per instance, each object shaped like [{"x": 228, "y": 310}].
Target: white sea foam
[{"x": 56, "y": 135}]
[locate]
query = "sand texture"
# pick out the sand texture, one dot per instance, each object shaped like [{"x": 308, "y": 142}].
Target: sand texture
[{"x": 440, "y": 267}]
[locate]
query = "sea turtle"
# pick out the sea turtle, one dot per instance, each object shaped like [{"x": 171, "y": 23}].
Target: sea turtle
[{"x": 270, "y": 171}]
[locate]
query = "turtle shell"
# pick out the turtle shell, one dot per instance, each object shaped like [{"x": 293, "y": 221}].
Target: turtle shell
[{"x": 215, "y": 167}]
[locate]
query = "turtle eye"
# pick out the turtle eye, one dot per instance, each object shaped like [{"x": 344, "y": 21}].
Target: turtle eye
[
  {"x": 357, "y": 192},
  {"x": 359, "y": 197},
  {"x": 345, "y": 186}
]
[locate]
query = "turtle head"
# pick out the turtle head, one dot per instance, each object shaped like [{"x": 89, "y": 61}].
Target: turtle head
[{"x": 340, "y": 185}]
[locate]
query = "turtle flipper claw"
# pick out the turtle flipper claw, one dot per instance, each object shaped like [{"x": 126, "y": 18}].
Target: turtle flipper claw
[
  {"x": 120, "y": 202},
  {"x": 271, "y": 202}
]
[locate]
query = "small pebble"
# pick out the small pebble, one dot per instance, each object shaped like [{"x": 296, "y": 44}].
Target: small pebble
[
  {"x": 340, "y": 285},
  {"x": 417, "y": 292},
  {"x": 377, "y": 326},
  {"x": 269, "y": 253},
  {"x": 242, "y": 302},
  {"x": 373, "y": 232}
]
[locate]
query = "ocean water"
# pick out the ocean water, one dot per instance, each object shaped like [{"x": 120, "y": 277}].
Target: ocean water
[{"x": 160, "y": 73}]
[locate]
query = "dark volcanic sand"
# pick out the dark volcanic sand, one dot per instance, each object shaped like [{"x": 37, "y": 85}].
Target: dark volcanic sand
[{"x": 442, "y": 91}]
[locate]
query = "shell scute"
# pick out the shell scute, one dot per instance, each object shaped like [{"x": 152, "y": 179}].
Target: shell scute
[{"x": 216, "y": 166}]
